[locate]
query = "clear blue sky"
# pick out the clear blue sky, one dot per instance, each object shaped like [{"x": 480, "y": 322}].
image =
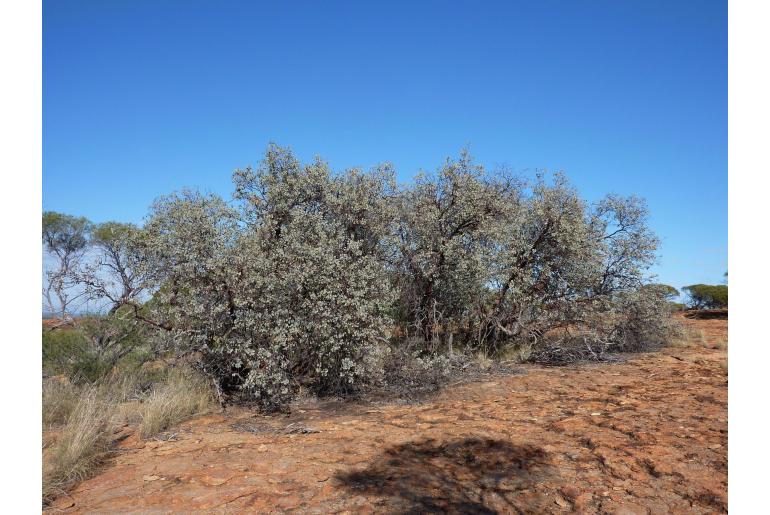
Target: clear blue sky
[{"x": 141, "y": 98}]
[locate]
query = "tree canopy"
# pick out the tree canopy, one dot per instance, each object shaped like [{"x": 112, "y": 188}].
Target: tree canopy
[{"x": 707, "y": 296}]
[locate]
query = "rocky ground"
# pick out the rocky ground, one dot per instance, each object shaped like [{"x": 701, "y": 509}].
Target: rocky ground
[{"x": 648, "y": 435}]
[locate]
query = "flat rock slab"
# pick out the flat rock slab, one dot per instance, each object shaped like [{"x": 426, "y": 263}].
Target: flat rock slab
[{"x": 648, "y": 435}]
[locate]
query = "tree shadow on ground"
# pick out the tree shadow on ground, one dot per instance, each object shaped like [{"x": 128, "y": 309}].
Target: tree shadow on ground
[
  {"x": 706, "y": 314},
  {"x": 462, "y": 476}
]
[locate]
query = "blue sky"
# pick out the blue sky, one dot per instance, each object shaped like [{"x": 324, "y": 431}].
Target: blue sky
[{"x": 141, "y": 98}]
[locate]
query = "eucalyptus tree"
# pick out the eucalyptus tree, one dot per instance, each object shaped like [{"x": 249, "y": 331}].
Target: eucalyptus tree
[
  {"x": 65, "y": 238},
  {"x": 114, "y": 273},
  {"x": 706, "y": 296}
]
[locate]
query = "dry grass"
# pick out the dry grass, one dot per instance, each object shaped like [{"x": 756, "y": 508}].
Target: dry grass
[
  {"x": 183, "y": 395},
  {"x": 688, "y": 337},
  {"x": 81, "y": 445},
  {"x": 699, "y": 338},
  {"x": 59, "y": 400},
  {"x": 682, "y": 335},
  {"x": 85, "y": 419},
  {"x": 681, "y": 343},
  {"x": 483, "y": 360},
  {"x": 518, "y": 353}
]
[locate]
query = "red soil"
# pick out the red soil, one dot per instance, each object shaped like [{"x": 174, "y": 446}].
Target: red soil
[{"x": 644, "y": 436}]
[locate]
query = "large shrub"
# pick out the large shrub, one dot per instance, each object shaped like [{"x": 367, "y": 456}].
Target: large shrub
[
  {"x": 286, "y": 289},
  {"x": 309, "y": 279},
  {"x": 441, "y": 240},
  {"x": 491, "y": 262}
]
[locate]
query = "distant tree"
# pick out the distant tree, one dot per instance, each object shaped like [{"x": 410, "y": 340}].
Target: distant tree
[
  {"x": 668, "y": 292},
  {"x": 65, "y": 237},
  {"x": 114, "y": 273},
  {"x": 677, "y": 306},
  {"x": 719, "y": 296},
  {"x": 706, "y": 296}
]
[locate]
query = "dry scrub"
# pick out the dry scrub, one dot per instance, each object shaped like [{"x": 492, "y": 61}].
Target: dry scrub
[
  {"x": 183, "y": 395},
  {"x": 644, "y": 435},
  {"x": 59, "y": 400},
  {"x": 82, "y": 421},
  {"x": 82, "y": 444}
]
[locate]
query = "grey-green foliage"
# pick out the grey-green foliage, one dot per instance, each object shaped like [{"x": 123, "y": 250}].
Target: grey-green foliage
[
  {"x": 669, "y": 292},
  {"x": 284, "y": 289},
  {"x": 443, "y": 227},
  {"x": 489, "y": 262},
  {"x": 307, "y": 278},
  {"x": 547, "y": 260}
]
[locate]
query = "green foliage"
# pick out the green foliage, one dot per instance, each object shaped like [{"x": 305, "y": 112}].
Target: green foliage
[
  {"x": 65, "y": 234},
  {"x": 705, "y": 296},
  {"x": 92, "y": 349},
  {"x": 115, "y": 274},
  {"x": 112, "y": 233},
  {"x": 65, "y": 238},
  {"x": 669, "y": 292},
  {"x": 65, "y": 351}
]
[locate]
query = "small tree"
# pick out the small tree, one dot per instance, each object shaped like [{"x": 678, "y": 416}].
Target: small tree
[
  {"x": 114, "y": 273},
  {"x": 718, "y": 295},
  {"x": 65, "y": 238},
  {"x": 706, "y": 296}
]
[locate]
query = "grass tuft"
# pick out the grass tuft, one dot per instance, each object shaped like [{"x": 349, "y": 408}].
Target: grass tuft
[
  {"x": 81, "y": 420},
  {"x": 517, "y": 353},
  {"x": 59, "y": 400},
  {"x": 81, "y": 446},
  {"x": 183, "y": 395},
  {"x": 483, "y": 360}
]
